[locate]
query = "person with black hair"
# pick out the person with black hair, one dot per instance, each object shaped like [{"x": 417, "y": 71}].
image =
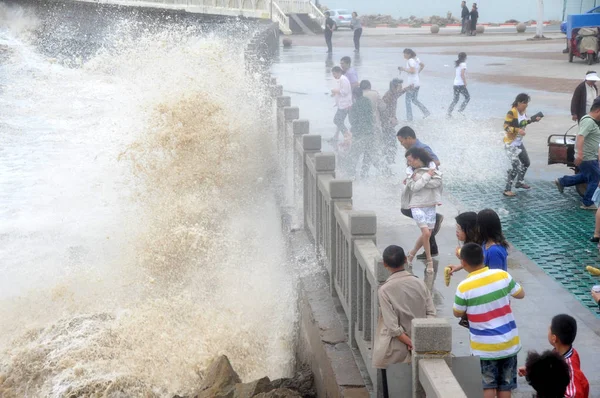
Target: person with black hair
[
  {"x": 425, "y": 187},
  {"x": 413, "y": 68},
  {"x": 474, "y": 15},
  {"x": 328, "y": 31},
  {"x": 561, "y": 335},
  {"x": 464, "y": 15},
  {"x": 389, "y": 119},
  {"x": 586, "y": 158},
  {"x": 460, "y": 84},
  {"x": 514, "y": 125},
  {"x": 356, "y": 26},
  {"x": 402, "y": 298},
  {"x": 466, "y": 232},
  {"x": 362, "y": 122},
  {"x": 343, "y": 100},
  {"x": 547, "y": 373},
  {"x": 484, "y": 296},
  {"x": 349, "y": 71},
  {"x": 408, "y": 139}
]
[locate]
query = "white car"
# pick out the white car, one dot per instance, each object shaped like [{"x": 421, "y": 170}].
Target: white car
[{"x": 342, "y": 18}]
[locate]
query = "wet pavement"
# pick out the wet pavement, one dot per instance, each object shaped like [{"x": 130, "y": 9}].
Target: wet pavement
[{"x": 548, "y": 232}]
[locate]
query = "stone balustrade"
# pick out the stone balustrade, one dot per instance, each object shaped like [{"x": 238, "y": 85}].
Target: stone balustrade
[{"x": 345, "y": 243}]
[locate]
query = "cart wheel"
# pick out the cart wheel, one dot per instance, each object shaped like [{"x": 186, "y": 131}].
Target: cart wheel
[{"x": 581, "y": 189}]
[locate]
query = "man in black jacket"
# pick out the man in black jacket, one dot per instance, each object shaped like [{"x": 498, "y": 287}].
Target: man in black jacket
[
  {"x": 584, "y": 95},
  {"x": 465, "y": 18}
]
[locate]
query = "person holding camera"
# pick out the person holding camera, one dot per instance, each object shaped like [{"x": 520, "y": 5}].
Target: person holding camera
[{"x": 514, "y": 125}]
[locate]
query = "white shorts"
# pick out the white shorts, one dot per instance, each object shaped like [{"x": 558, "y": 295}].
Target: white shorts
[{"x": 424, "y": 216}]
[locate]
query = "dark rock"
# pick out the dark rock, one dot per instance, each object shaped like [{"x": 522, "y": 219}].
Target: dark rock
[
  {"x": 303, "y": 382},
  {"x": 248, "y": 390},
  {"x": 279, "y": 393},
  {"x": 220, "y": 380}
]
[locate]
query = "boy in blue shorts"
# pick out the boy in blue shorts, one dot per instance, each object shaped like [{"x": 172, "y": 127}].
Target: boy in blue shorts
[{"x": 494, "y": 337}]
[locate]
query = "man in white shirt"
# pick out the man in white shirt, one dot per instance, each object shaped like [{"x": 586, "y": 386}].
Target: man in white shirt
[{"x": 343, "y": 100}]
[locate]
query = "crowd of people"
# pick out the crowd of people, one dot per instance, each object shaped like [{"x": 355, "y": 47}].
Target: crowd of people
[{"x": 482, "y": 300}]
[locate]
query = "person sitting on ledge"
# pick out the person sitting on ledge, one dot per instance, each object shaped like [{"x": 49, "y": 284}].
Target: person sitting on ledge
[{"x": 402, "y": 298}]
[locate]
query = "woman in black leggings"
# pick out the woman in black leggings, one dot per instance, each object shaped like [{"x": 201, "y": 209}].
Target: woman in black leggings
[
  {"x": 356, "y": 25},
  {"x": 460, "y": 84}
]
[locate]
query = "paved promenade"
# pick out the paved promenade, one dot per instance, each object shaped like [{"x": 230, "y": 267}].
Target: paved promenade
[{"x": 548, "y": 231}]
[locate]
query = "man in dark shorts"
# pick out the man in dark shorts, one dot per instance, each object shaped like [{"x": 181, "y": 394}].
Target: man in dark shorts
[{"x": 408, "y": 139}]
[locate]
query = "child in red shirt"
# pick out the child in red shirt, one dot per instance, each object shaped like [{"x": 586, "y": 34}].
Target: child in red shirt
[{"x": 561, "y": 335}]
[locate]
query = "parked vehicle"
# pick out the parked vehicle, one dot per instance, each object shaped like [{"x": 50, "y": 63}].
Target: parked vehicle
[
  {"x": 342, "y": 18},
  {"x": 561, "y": 150},
  {"x": 584, "y": 44}
]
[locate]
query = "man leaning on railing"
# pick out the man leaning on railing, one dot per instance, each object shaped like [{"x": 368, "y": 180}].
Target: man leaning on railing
[{"x": 402, "y": 298}]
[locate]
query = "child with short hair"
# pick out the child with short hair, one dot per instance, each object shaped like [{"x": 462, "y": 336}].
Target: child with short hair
[
  {"x": 561, "y": 335},
  {"x": 484, "y": 297}
]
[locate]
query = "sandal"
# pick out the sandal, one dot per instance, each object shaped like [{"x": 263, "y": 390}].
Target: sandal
[
  {"x": 429, "y": 268},
  {"x": 510, "y": 194}
]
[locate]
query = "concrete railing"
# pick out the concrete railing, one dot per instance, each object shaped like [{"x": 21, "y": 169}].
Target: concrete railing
[{"x": 345, "y": 242}]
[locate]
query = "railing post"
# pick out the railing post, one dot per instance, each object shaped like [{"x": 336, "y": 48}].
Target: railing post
[
  {"x": 300, "y": 127},
  {"x": 432, "y": 339},
  {"x": 362, "y": 225},
  {"x": 311, "y": 145},
  {"x": 290, "y": 113},
  {"x": 339, "y": 191}
]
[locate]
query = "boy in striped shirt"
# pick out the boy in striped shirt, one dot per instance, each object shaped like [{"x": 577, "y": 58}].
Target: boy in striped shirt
[{"x": 484, "y": 297}]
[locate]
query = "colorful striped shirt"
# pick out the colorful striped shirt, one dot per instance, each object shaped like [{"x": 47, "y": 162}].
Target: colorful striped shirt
[{"x": 484, "y": 297}]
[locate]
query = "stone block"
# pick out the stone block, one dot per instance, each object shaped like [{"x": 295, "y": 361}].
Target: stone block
[
  {"x": 324, "y": 162},
  {"x": 291, "y": 112},
  {"x": 300, "y": 127},
  {"x": 355, "y": 393},
  {"x": 362, "y": 222},
  {"x": 277, "y": 91},
  {"x": 344, "y": 366},
  {"x": 434, "y": 29},
  {"x": 311, "y": 142},
  {"x": 381, "y": 274},
  {"x": 480, "y": 29},
  {"x": 521, "y": 27},
  {"x": 437, "y": 379},
  {"x": 432, "y": 334},
  {"x": 283, "y": 101},
  {"x": 340, "y": 189}
]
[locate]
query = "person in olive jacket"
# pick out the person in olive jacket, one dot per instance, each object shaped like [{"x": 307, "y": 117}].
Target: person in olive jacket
[{"x": 584, "y": 95}]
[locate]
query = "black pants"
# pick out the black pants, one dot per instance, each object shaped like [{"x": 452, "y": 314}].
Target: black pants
[
  {"x": 386, "y": 393},
  {"x": 458, "y": 90},
  {"x": 519, "y": 160},
  {"x": 432, "y": 242},
  {"x": 357, "y": 35},
  {"x": 328, "y": 36}
]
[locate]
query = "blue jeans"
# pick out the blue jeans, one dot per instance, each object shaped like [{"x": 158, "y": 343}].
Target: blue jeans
[
  {"x": 499, "y": 374},
  {"x": 412, "y": 97},
  {"x": 589, "y": 172}
]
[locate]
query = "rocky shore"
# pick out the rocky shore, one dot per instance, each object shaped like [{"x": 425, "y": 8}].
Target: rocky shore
[{"x": 222, "y": 381}]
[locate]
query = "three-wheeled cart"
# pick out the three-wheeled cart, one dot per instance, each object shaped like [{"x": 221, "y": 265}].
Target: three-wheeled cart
[{"x": 561, "y": 150}]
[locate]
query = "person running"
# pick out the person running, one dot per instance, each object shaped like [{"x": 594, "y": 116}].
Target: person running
[
  {"x": 584, "y": 96},
  {"x": 363, "y": 142},
  {"x": 586, "y": 157},
  {"x": 413, "y": 68},
  {"x": 425, "y": 186},
  {"x": 328, "y": 31},
  {"x": 389, "y": 121},
  {"x": 460, "y": 84},
  {"x": 514, "y": 125},
  {"x": 408, "y": 139},
  {"x": 474, "y": 14},
  {"x": 356, "y": 25},
  {"x": 343, "y": 100},
  {"x": 349, "y": 71},
  {"x": 464, "y": 16}
]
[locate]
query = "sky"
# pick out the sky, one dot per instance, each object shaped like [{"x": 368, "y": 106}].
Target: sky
[{"x": 489, "y": 10}]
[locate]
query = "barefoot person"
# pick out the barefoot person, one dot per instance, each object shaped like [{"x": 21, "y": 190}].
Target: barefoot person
[
  {"x": 514, "y": 125},
  {"x": 413, "y": 68},
  {"x": 586, "y": 157},
  {"x": 425, "y": 186},
  {"x": 460, "y": 84},
  {"x": 402, "y": 298}
]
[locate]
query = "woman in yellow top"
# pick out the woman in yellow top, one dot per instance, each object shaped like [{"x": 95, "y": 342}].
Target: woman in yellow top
[{"x": 514, "y": 124}]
